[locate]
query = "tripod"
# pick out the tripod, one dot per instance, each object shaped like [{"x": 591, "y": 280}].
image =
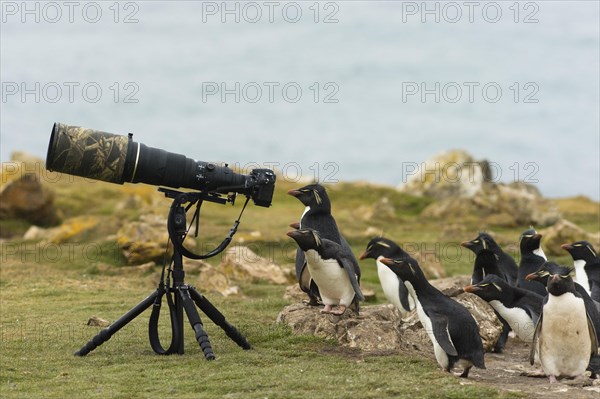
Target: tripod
[{"x": 186, "y": 297}]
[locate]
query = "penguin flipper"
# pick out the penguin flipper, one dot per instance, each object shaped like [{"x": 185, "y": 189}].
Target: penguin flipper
[
  {"x": 536, "y": 338},
  {"x": 593, "y": 336},
  {"x": 533, "y": 313},
  {"x": 300, "y": 263},
  {"x": 348, "y": 263},
  {"x": 439, "y": 324},
  {"x": 347, "y": 249},
  {"x": 403, "y": 293}
]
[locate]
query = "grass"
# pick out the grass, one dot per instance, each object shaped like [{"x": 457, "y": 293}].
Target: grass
[{"x": 48, "y": 292}]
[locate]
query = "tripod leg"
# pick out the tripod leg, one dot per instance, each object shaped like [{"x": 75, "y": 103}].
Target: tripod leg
[
  {"x": 194, "y": 318},
  {"x": 217, "y": 317},
  {"x": 108, "y": 332}
]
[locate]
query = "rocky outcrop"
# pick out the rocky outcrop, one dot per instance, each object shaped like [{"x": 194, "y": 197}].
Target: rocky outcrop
[
  {"x": 564, "y": 232},
  {"x": 69, "y": 230},
  {"x": 465, "y": 188},
  {"x": 240, "y": 263},
  {"x": 144, "y": 240},
  {"x": 507, "y": 205},
  {"x": 27, "y": 198},
  {"x": 377, "y": 328},
  {"x": 381, "y": 327},
  {"x": 450, "y": 174},
  {"x": 210, "y": 278}
]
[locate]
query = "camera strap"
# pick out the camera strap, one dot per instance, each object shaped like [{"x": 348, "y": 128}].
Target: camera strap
[
  {"x": 178, "y": 242},
  {"x": 155, "y": 315}
]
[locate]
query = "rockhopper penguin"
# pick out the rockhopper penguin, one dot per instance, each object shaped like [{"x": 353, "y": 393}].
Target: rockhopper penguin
[
  {"x": 491, "y": 259},
  {"x": 532, "y": 258},
  {"x": 449, "y": 325},
  {"x": 332, "y": 267},
  {"x": 587, "y": 267},
  {"x": 393, "y": 287},
  {"x": 317, "y": 216},
  {"x": 520, "y": 308},
  {"x": 564, "y": 338}
]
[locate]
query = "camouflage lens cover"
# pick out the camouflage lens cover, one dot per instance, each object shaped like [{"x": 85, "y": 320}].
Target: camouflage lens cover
[{"x": 88, "y": 153}]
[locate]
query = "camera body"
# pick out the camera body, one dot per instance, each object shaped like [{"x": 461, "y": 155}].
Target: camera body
[
  {"x": 118, "y": 159},
  {"x": 261, "y": 184}
]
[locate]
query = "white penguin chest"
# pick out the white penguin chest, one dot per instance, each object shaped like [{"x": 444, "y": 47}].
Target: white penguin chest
[
  {"x": 306, "y": 210},
  {"x": 581, "y": 276},
  {"x": 540, "y": 252},
  {"x": 333, "y": 281},
  {"x": 518, "y": 319},
  {"x": 564, "y": 347},
  {"x": 390, "y": 283}
]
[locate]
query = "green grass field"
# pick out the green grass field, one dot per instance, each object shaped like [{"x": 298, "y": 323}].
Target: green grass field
[{"x": 48, "y": 292}]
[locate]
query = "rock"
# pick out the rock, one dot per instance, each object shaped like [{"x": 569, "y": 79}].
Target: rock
[
  {"x": 369, "y": 294},
  {"x": 564, "y": 232},
  {"x": 507, "y": 205},
  {"x": 380, "y": 210},
  {"x": 450, "y": 174},
  {"x": 376, "y": 329},
  {"x": 430, "y": 264},
  {"x": 242, "y": 264},
  {"x": 294, "y": 293},
  {"x": 141, "y": 269},
  {"x": 96, "y": 321},
  {"x": 70, "y": 229},
  {"x": 214, "y": 280},
  {"x": 381, "y": 327},
  {"x": 26, "y": 198},
  {"x": 451, "y": 286},
  {"x": 195, "y": 265},
  {"x": 144, "y": 240}
]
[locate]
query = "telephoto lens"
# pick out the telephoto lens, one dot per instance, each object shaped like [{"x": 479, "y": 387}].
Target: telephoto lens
[{"x": 118, "y": 159}]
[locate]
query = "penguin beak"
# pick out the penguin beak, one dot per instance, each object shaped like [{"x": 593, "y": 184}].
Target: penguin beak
[
  {"x": 295, "y": 225},
  {"x": 471, "y": 288},
  {"x": 554, "y": 278},
  {"x": 363, "y": 256},
  {"x": 537, "y": 236},
  {"x": 466, "y": 244},
  {"x": 294, "y": 193},
  {"x": 531, "y": 276},
  {"x": 292, "y": 234},
  {"x": 566, "y": 247}
]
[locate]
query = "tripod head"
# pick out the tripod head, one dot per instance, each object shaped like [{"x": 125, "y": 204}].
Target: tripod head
[{"x": 176, "y": 221}]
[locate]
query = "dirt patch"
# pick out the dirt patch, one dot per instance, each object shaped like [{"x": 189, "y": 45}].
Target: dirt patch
[{"x": 505, "y": 372}]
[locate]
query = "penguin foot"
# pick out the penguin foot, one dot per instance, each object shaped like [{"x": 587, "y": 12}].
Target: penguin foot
[
  {"x": 465, "y": 373},
  {"x": 326, "y": 309},
  {"x": 534, "y": 374},
  {"x": 552, "y": 379},
  {"x": 338, "y": 311}
]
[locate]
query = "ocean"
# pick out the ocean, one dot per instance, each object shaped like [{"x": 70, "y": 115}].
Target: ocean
[{"x": 331, "y": 90}]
